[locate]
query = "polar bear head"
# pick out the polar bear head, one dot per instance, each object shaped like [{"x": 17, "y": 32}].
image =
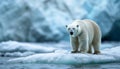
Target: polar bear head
[{"x": 73, "y": 29}]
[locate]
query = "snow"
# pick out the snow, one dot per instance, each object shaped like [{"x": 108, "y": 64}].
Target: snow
[
  {"x": 13, "y": 48},
  {"x": 62, "y": 56},
  {"x": 107, "y": 55},
  {"x": 56, "y": 53}
]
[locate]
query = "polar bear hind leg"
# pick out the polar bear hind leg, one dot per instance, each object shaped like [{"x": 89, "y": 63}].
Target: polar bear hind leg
[{"x": 96, "y": 42}]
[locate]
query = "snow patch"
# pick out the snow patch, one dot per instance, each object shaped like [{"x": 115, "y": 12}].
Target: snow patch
[
  {"x": 107, "y": 55},
  {"x": 13, "y": 48}
]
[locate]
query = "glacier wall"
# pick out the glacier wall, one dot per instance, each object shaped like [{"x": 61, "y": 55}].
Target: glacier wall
[{"x": 45, "y": 20}]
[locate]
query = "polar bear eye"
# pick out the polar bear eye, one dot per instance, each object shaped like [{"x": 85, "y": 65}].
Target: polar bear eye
[
  {"x": 68, "y": 28},
  {"x": 73, "y": 28}
]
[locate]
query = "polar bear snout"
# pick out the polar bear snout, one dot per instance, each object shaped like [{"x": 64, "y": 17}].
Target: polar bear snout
[
  {"x": 72, "y": 30},
  {"x": 71, "y": 33}
]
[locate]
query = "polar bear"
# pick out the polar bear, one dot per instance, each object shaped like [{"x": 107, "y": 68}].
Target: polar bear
[{"x": 84, "y": 34}]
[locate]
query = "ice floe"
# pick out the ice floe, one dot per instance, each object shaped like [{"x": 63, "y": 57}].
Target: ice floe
[
  {"x": 64, "y": 57},
  {"x": 13, "y": 48}
]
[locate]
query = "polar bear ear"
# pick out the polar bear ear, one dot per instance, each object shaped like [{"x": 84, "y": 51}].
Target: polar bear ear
[
  {"x": 66, "y": 26},
  {"x": 77, "y": 25}
]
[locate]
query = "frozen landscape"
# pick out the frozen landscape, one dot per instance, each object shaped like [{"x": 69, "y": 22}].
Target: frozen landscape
[
  {"x": 33, "y": 34},
  {"x": 20, "y": 55},
  {"x": 43, "y": 53}
]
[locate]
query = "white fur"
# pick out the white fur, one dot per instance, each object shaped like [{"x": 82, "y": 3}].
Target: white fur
[{"x": 86, "y": 34}]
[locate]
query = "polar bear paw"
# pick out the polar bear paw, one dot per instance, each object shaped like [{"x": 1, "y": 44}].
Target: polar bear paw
[
  {"x": 73, "y": 51},
  {"x": 97, "y": 52}
]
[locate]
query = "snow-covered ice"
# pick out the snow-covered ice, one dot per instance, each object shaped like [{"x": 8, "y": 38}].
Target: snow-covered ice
[
  {"x": 107, "y": 55},
  {"x": 13, "y": 48},
  {"x": 55, "y": 53},
  {"x": 65, "y": 57}
]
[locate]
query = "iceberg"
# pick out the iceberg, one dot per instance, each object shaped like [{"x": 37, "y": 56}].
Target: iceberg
[
  {"x": 64, "y": 57},
  {"x": 33, "y": 20}
]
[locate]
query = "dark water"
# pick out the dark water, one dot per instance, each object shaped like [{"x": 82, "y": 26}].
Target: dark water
[{"x": 5, "y": 65}]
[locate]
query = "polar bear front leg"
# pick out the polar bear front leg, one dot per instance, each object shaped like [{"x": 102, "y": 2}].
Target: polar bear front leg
[
  {"x": 84, "y": 46},
  {"x": 90, "y": 48},
  {"x": 74, "y": 43}
]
